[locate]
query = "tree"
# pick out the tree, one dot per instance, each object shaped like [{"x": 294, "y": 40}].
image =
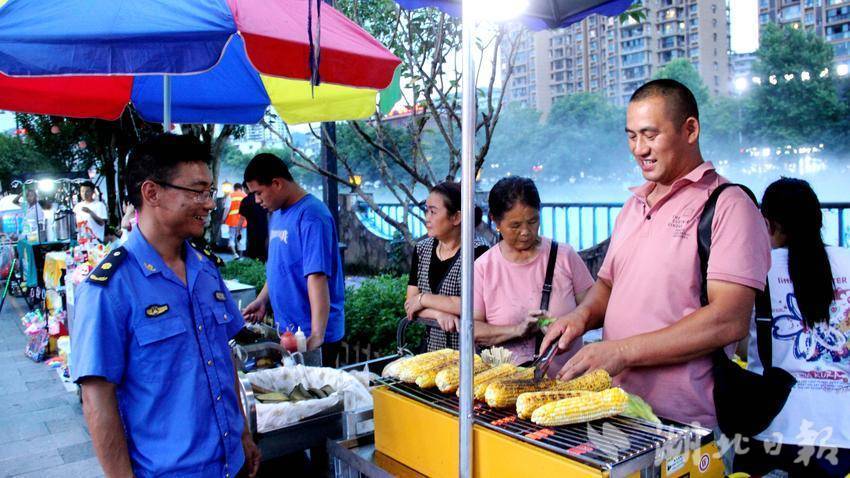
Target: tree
[
  {"x": 215, "y": 138},
  {"x": 722, "y": 128},
  {"x": 521, "y": 139},
  {"x": 63, "y": 143},
  {"x": 423, "y": 148},
  {"x": 589, "y": 132},
  {"x": 18, "y": 155},
  {"x": 234, "y": 162},
  {"x": 720, "y": 116},
  {"x": 684, "y": 72},
  {"x": 784, "y": 109}
]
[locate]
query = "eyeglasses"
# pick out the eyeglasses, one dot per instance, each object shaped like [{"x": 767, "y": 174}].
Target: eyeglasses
[{"x": 200, "y": 195}]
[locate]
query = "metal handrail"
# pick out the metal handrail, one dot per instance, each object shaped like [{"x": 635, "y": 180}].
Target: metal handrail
[{"x": 558, "y": 223}]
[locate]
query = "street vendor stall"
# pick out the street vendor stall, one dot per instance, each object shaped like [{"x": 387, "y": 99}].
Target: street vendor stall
[{"x": 518, "y": 434}]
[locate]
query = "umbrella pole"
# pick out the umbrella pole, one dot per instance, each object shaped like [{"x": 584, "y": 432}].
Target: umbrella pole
[
  {"x": 166, "y": 103},
  {"x": 467, "y": 345}
]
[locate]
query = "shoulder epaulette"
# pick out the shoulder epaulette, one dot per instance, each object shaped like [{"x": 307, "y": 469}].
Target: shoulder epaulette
[
  {"x": 103, "y": 272},
  {"x": 207, "y": 252}
]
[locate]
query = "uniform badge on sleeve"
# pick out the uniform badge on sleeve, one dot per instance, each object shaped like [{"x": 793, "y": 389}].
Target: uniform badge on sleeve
[
  {"x": 219, "y": 296},
  {"x": 156, "y": 310}
]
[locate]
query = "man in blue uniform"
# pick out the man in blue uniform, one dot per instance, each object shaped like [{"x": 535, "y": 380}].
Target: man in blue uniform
[
  {"x": 304, "y": 269},
  {"x": 151, "y": 329}
]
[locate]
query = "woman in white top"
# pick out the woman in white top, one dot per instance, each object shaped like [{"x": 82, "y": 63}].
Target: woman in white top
[{"x": 810, "y": 297}]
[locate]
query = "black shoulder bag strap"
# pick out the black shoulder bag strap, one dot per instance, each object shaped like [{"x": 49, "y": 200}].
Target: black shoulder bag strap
[
  {"x": 764, "y": 314},
  {"x": 746, "y": 403},
  {"x": 550, "y": 274}
]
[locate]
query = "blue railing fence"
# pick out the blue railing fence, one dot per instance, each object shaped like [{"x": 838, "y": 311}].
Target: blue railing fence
[{"x": 584, "y": 225}]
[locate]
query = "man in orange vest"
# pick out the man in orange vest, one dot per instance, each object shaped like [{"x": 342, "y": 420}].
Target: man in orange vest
[{"x": 235, "y": 222}]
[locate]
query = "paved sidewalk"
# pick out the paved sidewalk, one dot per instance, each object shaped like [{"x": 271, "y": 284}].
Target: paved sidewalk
[{"x": 42, "y": 431}]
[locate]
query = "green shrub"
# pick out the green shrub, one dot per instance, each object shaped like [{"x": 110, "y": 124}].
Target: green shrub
[
  {"x": 247, "y": 271},
  {"x": 372, "y": 311},
  {"x": 398, "y": 256}
]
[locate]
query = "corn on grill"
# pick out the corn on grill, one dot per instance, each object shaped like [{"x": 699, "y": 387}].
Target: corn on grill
[{"x": 615, "y": 447}]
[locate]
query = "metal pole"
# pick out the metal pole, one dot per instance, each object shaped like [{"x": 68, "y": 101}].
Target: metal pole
[
  {"x": 467, "y": 346},
  {"x": 166, "y": 103},
  {"x": 330, "y": 187}
]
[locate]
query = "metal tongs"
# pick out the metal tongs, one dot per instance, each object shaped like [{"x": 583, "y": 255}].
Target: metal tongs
[{"x": 542, "y": 362}]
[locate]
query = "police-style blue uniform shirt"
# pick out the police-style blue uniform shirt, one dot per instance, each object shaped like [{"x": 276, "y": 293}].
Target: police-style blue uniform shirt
[
  {"x": 164, "y": 345},
  {"x": 303, "y": 240}
]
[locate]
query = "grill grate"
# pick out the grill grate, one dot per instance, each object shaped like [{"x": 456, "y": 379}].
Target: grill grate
[{"x": 603, "y": 444}]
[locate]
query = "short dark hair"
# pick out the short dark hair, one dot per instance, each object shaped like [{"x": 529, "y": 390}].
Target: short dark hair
[
  {"x": 681, "y": 103},
  {"x": 156, "y": 159},
  {"x": 450, "y": 191},
  {"x": 87, "y": 184},
  {"x": 510, "y": 191},
  {"x": 237, "y": 186},
  {"x": 265, "y": 167}
]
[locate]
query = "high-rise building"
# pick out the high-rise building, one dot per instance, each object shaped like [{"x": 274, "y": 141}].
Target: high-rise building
[
  {"x": 829, "y": 19},
  {"x": 261, "y": 134},
  {"x": 603, "y": 55}
]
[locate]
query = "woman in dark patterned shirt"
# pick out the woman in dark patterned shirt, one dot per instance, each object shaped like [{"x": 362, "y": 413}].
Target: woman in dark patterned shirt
[{"x": 433, "y": 290}]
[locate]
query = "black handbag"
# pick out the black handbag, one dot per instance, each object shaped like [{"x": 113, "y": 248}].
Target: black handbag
[{"x": 745, "y": 401}]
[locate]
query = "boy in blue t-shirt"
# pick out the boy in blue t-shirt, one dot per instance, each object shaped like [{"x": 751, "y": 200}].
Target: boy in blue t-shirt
[{"x": 304, "y": 280}]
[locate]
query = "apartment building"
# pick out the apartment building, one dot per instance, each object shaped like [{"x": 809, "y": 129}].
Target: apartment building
[
  {"x": 601, "y": 54},
  {"x": 829, "y": 19}
]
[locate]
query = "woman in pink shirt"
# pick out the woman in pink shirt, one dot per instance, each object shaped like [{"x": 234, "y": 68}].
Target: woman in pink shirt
[{"x": 509, "y": 277}]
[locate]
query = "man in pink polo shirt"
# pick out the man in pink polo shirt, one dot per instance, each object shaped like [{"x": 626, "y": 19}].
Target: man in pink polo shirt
[{"x": 656, "y": 336}]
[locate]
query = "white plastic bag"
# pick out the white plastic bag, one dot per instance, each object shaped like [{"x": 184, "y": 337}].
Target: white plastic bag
[{"x": 272, "y": 416}]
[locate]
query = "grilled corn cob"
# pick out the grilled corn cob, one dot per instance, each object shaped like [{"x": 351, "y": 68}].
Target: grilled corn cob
[
  {"x": 527, "y": 402},
  {"x": 503, "y": 393},
  {"x": 448, "y": 379},
  {"x": 408, "y": 363},
  {"x": 595, "y": 381},
  {"x": 428, "y": 379},
  {"x": 481, "y": 380},
  {"x": 392, "y": 368},
  {"x": 584, "y": 408},
  {"x": 500, "y": 372},
  {"x": 421, "y": 364}
]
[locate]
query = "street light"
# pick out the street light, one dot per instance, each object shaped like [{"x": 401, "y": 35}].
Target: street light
[
  {"x": 741, "y": 84},
  {"x": 497, "y": 10},
  {"x": 46, "y": 185}
]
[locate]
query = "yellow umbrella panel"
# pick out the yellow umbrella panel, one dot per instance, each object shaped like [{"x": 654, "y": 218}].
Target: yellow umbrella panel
[{"x": 297, "y": 102}]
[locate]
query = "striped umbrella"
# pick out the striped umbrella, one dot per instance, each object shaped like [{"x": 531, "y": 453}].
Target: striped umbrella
[{"x": 211, "y": 61}]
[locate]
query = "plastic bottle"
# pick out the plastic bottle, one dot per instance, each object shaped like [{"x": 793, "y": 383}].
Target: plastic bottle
[{"x": 301, "y": 340}]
